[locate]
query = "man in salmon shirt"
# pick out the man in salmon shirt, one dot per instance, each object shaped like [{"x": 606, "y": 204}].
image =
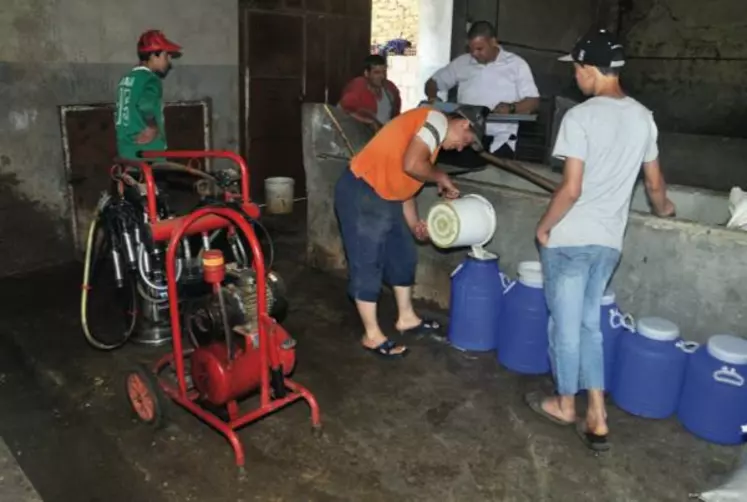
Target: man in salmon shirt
[
  {"x": 371, "y": 98},
  {"x": 374, "y": 201}
]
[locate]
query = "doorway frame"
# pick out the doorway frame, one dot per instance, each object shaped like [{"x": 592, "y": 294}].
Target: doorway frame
[
  {"x": 306, "y": 14},
  {"x": 64, "y": 110},
  {"x": 245, "y": 76}
]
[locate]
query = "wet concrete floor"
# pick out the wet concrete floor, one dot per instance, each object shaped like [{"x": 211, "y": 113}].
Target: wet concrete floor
[{"x": 438, "y": 426}]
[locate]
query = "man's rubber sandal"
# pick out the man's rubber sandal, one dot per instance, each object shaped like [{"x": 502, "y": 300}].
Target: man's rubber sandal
[
  {"x": 385, "y": 350},
  {"x": 427, "y": 327}
]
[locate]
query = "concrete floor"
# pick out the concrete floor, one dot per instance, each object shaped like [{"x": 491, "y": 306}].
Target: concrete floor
[{"x": 438, "y": 426}]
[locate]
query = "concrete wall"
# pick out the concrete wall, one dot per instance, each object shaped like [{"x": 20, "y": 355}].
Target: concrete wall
[
  {"x": 689, "y": 62},
  {"x": 553, "y": 26},
  {"x": 696, "y": 102},
  {"x": 712, "y": 162},
  {"x": 434, "y": 47},
  {"x": 73, "y": 51},
  {"x": 534, "y": 23},
  {"x": 689, "y": 272}
]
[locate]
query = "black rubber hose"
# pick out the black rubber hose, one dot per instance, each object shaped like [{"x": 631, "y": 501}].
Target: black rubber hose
[{"x": 92, "y": 260}]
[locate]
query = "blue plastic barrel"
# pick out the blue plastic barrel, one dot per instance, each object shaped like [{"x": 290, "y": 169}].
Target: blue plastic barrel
[
  {"x": 713, "y": 403},
  {"x": 613, "y": 323},
  {"x": 522, "y": 339},
  {"x": 475, "y": 304},
  {"x": 650, "y": 368}
]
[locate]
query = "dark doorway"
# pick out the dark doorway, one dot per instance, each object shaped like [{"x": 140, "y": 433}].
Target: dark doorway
[{"x": 292, "y": 51}]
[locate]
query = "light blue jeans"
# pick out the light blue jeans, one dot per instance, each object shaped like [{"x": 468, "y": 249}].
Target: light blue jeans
[{"x": 575, "y": 280}]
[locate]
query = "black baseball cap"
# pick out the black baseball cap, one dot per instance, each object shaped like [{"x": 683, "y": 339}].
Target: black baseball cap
[
  {"x": 598, "y": 48},
  {"x": 475, "y": 115}
]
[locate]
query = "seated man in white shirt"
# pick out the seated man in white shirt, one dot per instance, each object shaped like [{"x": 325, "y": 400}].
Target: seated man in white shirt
[{"x": 492, "y": 77}]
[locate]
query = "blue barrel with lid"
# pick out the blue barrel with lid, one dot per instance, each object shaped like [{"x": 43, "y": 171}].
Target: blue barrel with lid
[
  {"x": 650, "y": 368},
  {"x": 522, "y": 339},
  {"x": 612, "y": 323},
  {"x": 713, "y": 403},
  {"x": 475, "y": 303}
]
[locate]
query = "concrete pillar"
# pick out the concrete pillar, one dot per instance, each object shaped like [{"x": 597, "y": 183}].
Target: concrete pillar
[{"x": 434, "y": 37}]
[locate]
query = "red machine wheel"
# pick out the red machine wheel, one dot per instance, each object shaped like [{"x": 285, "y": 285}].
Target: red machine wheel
[{"x": 145, "y": 397}]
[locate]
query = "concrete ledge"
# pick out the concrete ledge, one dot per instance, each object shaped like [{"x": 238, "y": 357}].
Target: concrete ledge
[{"x": 691, "y": 273}]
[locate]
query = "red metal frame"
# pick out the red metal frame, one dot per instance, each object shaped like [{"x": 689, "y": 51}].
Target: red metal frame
[
  {"x": 268, "y": 352},
  {"x": 163, "y": 229},
  {"x": 204, "y": 154},
  {"x": 205, "y": 220}
]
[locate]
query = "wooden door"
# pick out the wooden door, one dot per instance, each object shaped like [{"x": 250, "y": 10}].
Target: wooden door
[
  {"x": 293, "y": 51},
  {"x": 274, "y": 86}
]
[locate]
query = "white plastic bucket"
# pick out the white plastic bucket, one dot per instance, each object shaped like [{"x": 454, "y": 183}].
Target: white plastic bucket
[
  {"x": 467, "y": 221},
  {"x": 279, "y": 195},
  {"x": 530, "y": 274}
]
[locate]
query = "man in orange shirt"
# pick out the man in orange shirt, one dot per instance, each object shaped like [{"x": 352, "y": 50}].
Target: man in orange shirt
[{"x": 374, "y": 201}]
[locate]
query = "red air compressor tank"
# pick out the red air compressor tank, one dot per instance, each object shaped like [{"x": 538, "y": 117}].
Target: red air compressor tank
[{"x": 220, "y": 380}]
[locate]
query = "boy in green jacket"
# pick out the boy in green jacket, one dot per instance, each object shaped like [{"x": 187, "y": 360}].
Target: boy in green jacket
[{"x": 139, "y": 114}]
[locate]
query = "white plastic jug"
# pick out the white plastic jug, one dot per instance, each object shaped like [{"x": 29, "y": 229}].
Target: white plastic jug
[
  {"x": 279, "y": 195},
  {"x": 467, "y": 221}
]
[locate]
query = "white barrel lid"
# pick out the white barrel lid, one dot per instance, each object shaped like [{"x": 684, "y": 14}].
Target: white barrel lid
[
  {"x": 656, "y": 328},
  {"x": 443, "y": 224},
  {"x": 728, "y": 348},
  {"x": 530, "y": 274},
  {"x": 608, "y": 298}
]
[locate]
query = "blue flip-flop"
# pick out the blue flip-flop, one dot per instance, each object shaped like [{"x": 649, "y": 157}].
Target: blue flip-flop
[{"x": 385, "y": 350}]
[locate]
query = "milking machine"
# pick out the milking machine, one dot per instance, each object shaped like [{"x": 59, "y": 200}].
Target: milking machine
[
  {"x": 176, "y": 284},
  {"x": 126, "y": 239}
]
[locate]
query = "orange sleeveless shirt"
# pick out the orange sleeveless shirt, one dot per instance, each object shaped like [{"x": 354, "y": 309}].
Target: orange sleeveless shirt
[{"x": 381, "y": 162}]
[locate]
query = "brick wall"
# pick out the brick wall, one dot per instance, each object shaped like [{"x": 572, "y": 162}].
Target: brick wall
[{"x": 394, "y": 19}]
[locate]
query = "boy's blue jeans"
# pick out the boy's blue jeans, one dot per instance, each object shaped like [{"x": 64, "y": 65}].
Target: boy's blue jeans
[{"x": 575, "y": 280}]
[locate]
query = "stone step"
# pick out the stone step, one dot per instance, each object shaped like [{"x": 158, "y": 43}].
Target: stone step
[{"x": 14, "y": 485}]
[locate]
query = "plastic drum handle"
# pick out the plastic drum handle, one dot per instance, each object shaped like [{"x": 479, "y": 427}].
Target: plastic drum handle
[
  {"x": 687, "y": 347},
  {"x": 506, "y": 282},
  {"x": 456, "y": 270},
  {"x": 618, "y": 319},
  {"x": 728, "y": 376}
]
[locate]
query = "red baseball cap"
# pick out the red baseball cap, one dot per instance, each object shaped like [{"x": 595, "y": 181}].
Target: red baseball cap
[{"x": 156, "y": 41}]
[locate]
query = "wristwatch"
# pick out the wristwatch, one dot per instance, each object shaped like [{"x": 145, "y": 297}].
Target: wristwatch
[{"x": 512, "y": 108}]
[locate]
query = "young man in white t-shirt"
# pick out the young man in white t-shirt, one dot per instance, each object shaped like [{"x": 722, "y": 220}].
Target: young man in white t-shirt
[{"x": 603, "y": 141}]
